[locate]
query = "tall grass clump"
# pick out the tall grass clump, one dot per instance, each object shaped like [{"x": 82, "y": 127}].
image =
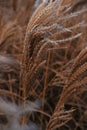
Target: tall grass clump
[{"x": 43, "y": 65}]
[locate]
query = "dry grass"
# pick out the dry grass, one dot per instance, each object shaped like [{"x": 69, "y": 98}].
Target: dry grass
[{"x": 43, "y": 65}]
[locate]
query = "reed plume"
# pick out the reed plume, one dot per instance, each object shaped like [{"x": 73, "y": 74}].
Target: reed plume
[{"x": 43, "y": 65}]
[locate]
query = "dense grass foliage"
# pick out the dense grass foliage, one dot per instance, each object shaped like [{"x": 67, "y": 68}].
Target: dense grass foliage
[{"x": 43, "y": 65}]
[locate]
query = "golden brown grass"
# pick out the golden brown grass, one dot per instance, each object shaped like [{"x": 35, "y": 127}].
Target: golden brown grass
[{"x": 44, "y": 61}]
